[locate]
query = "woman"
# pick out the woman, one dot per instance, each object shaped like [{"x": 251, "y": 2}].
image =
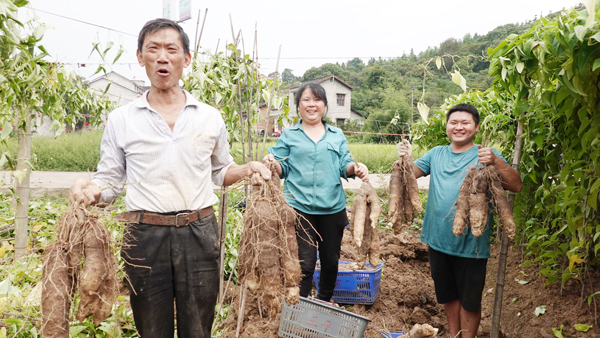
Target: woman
[{"x": 312, "y": 156}]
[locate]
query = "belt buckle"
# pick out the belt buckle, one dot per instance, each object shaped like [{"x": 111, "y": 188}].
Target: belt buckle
[{"x": 183, "y": 214}]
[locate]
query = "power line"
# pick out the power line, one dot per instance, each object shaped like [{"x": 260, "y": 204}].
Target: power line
[{"x": 84, "y": 22}]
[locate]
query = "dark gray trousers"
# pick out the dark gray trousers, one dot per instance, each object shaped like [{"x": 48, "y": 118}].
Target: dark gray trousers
[{"x": 164, "y": 264}]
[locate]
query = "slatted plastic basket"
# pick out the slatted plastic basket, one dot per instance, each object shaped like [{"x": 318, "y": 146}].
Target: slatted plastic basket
[
  {"x": 315, "y": 319},
  {"x": 392, "y": 334},
  {"x": 356, "y": 286}
]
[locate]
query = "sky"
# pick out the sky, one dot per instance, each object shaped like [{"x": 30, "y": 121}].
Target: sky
[{"x": 309, "y": 33}]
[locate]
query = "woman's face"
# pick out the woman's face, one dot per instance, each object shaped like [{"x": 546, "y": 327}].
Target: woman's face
[{"x": 310, "y": 107}]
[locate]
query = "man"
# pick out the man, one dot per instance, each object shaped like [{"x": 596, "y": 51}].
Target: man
[
  {"x": 458, "y": 264},
  {"x": 167, "y": 146}
]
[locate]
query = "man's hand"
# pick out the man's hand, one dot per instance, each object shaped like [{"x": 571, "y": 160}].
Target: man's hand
[
  {"x": 486, "y": 155},
  {"x": 404, "y": 148},
  {"x": 258, "y": 172},
  {"x": 86, "y": 192}
]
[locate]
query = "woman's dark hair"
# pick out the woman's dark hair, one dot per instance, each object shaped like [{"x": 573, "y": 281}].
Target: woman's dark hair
[
  {"x": 158, "y": 24},
  {"x": 467, "y": 108}
]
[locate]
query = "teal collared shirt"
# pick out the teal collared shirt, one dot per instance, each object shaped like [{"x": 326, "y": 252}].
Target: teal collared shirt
[{"x": 312, "y": 170}]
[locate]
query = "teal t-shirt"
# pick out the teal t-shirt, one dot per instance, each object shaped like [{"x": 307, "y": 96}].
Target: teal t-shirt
[
  {"x": 448, "y": 170},
  {"x": 312, "y": 170}
]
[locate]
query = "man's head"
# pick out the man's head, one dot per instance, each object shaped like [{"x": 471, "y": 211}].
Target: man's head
[
  {"x": 164, "y": 51},
  {"x": 158, "y": 24},
  {"x": 462, "y": 123},
  {"x": 464, "y": 108}
]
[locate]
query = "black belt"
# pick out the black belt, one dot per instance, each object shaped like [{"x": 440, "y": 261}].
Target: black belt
[{"x": 153, "y": 218}]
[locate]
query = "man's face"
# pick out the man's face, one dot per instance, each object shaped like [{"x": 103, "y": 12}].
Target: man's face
[
  {"x": 461, "y": 128},
  {"x": 164, "y": 58}
]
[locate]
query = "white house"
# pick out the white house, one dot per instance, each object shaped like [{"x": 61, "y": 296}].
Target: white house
[{"x": 122, "y": 90}]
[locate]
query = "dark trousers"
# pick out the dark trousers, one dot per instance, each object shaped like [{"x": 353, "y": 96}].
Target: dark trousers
[
  {"x": 331, "y": 230},
  {"x": 165, "y": 263}
]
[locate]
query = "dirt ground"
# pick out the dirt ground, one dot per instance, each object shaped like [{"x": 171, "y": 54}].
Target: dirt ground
[{"x": 407, "y": 297}]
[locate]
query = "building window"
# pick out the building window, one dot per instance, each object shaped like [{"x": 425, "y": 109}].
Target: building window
[
  {"x": 341, "y": 99},
  {"x": 340, "y": 122}
]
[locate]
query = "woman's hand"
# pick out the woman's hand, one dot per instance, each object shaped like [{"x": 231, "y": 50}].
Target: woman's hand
[{"x": 362, "y": 172}]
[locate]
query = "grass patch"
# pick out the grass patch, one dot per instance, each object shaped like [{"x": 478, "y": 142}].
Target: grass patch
[{"x": 80, "y": 151}]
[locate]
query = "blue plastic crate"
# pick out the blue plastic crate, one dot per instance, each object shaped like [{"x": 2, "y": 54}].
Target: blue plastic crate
[
  {"x": 356, "y": 286},
  {"x": 315, "y": 319}
]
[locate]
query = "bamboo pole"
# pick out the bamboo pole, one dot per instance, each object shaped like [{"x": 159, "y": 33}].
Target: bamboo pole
[
  {"x": 504, "y": 245},
  {"x": 240, "y": 321},
  {"x": 202, "y": 30},
  {"x": 222, "y": 234},
  {"x": 22, "y": 187},
  {"x": 271, "y": 101}
]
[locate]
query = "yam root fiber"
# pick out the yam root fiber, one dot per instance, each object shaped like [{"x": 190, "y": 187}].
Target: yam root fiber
[
  {"x": 473, "y": 201},
  {"x": 364, "y": 224},
  {"x": 268, "y": 247},
  {"x": 79, "y": 232},
  {"x": 404, "y": 199}
]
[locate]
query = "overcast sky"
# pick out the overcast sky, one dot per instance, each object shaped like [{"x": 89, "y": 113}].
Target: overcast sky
[{"x": 310, "y": 32}]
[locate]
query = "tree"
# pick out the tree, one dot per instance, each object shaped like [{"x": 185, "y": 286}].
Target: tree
[{"x": 287, "y": 76}]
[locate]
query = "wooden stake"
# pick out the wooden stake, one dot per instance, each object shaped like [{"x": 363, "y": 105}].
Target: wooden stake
[
  {"x": 240, "y": 321},
  {"x": 504, "y": 245},
  {"x": 222, "y": 233}
]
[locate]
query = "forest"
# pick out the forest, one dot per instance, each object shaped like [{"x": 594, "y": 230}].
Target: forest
[{"x": 387, "y": 90}]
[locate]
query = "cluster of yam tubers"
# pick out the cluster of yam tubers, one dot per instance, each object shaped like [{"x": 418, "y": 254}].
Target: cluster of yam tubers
[
  {"x": 404, "y": 199},
  {"x": 268, "y": 247},
  {"x": 473, "y": 199},
  {"x": 81, "y": 236}
]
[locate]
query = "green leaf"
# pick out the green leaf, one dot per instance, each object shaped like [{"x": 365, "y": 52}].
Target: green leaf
[
  {"x": 596, "y": 37},
  {"x": 459, "y": 80},
  {"x": 6, "y": 130},
  {"x": 523, "y": 282},
  {"x": 583, "y": 327},
  {"x": 596, "y": 64},
  {"x": 438, "y": 62},
  {"x": 557, "y": 333},
  {"x": 580, "y": 32},
  {"x": 540, "y": 310},
  {"x": 75, "y": 330},
  {"x": 520, "y": 67}
]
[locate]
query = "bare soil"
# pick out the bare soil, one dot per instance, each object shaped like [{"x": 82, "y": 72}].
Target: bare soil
[{"x": 407, "y": 297}]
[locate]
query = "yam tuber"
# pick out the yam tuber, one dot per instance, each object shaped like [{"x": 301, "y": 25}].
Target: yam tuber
[
  {"x": 365, "y": 222},
  {"x": 462, "y": 204},
  {"x": 56, "y": 287}
]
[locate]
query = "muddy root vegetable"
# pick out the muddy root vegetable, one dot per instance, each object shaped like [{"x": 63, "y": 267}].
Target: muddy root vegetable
[
  {"x": 504, "y": 211},
  {"x": 411, "y": 186},
  {"x": 289, "y": 256},
  {"x": 462, "y": 204},
  {"x": 422, "y": 331},
  {"x": 96, "y": 269},
  {"x": 365, "y": 222},
  {"x": 404, "y": 199},
  {"x": 359, "y": 212},
  {"x": 56, "y": 288},
  {"x": 395, "y": 193},
  {"x": 478, "y": 203},
  {"x": 268, "y": 247}
]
